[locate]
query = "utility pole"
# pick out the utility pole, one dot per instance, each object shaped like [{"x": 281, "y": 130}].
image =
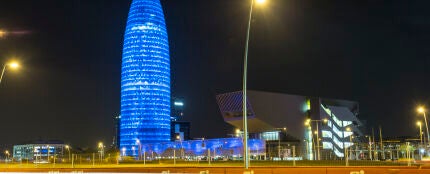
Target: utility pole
[
  {"x": 294, "y": 155},
  {"x": 373, "y": 140},
  {"x": 380, "y": 143},
  {"x": 370, "y": 148}
]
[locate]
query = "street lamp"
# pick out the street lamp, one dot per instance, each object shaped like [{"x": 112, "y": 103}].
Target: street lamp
[
  {"x": 350, "y": 147},
  {"x": 12, "y": 65},
  {"x": 2, "y": 33},
  {"x": 348, "y": 129},
  {"x": 245, "y": 67},
  {"x": 139, "y": 145},
  {"x": 370, "y": 147},
  {"x": 178, "y": 137},
  {"x": 423, "y": 111},
  {"x": 47, "y": 147},
  {"x": 68, "y": 149},
  {"x": 421, "y": 131},
  {"x": 123, "y": 151},
  {"x": 307, "y": 123},
  {"x": 279, "y": 140},
  {"x": 101, "y": 147},
  {"x": 7, "y": 154}
]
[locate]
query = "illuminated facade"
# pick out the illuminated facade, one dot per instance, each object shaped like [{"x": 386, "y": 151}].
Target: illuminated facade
[
  {"x": 231, "y": 148},
  {"x": 39, "y": 152},
  {"x": 341, "y": 127},
  {"x": 320, "y": 128},
  {"x": 145, "y": 78}
]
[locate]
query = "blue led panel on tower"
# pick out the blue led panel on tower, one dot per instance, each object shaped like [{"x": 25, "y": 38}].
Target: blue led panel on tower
[{"x": 145, "y": 78}]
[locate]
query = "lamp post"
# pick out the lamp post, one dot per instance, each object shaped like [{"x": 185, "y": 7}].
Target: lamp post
[
  {"x": 47, "y": 147},
  {"x": 308, "y": 122},
  {"x": 350, "y": 147},
  {"x": 370, "y": 147},
  {"x": 123, "y": 151},
  {"x": 178, "y": 137},
  {"x": 2, "y": 33},
  {"x": 421, "y": 131},
  {"x": 347, "y": 150},
  {"x": 423, "y": 111},
  {"x": 7, "y": 154},
  {"x": 139, "y": 146},
  {"x": 101, "y": 147},
  {"x": 68, "y": 149},
  {"x": 13, "y": 65},
  {"x": 245, "y": 68},
  {"x": 279, "y": 140}
]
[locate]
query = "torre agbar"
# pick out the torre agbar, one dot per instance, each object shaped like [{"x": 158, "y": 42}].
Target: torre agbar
[{"x": 145, "y": 78}]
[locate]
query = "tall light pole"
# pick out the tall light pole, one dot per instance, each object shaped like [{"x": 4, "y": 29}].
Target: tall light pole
[
  {"x": 279, "y": 140},
  {"x": 347, "y": 150},
  {"x": 13, "y": 65},
  {"x": 68, "y": 149},
  {"x": 370, "y": 147},
  {"x": 2, "y": 33},
  {"x": 101, "y": 147},
  {"x": 139, "y": 150},
  {"x": 7, "y": 154},
  {"x": 123, "y": 151},
  {"x": 423, "y": 111},
  {"x": 421, "y": 131},
  {"x": 47, "y": 147},
  {"x": 178, "y": 137},
  {"x": 245, "y": 69},
  {"x": 308, "y": 122}
]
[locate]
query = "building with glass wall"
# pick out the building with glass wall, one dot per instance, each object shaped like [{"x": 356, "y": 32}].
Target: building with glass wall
[
  {"x": 222, "y": 148},
  {"x": 179, "y": 129},
  {"x": 318, "y": 128},
  {"x": 145, "y": 78},
  {"x": 334, "y": 127},
  {"x": 39, "y": 151}
]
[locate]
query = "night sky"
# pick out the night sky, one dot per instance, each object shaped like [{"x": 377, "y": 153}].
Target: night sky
[{"x": 374, "y": 52}]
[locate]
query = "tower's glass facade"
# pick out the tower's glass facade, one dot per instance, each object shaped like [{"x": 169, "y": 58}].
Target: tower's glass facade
[{"x": 145, "y": 78}]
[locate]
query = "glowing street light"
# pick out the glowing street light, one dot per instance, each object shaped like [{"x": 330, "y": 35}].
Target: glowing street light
[
  {"x": 422, "y": 110},
  {"x": 7, "y": 154},
  {"x": 421, "y": 131},
  {"x": 308, "y": 123},
  {"x": 245, "y": 69},
  {"x": 178, "y": 137},
  {"x": 12, "y": 65},
  {"x": 279, "y": 140},
  {"x": 139, "y": 145},
  {"x": 123, "y": 151},
  {"x": 101, "y": 147},
  {"x": 2, "y": 33},
  {"x": 68, "y": 149},
  {"x": 261, "y": 1}
]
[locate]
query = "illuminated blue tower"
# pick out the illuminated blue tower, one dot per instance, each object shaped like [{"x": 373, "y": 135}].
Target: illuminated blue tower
[{"x": 145, "y": 78}]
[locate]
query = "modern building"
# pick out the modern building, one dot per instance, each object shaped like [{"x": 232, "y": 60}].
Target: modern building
[
  {"x": 178, "y": 106},
  {"x": 179, "y": 129},
  {"x": 39, "y": 151},
  {"x": 316, "y": 127},
  {"x": 115, "y": 139},
  {"x": 339, "y": 126},
  {"x": 222, "y": 148},
  {"x": 145, "y": 78}
]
